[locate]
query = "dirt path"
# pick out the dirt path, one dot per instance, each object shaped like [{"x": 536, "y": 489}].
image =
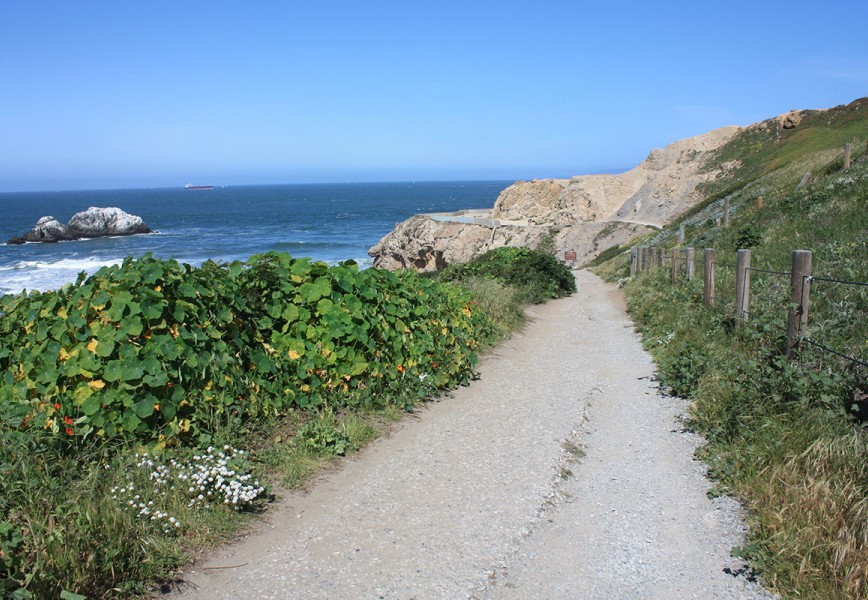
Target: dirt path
[{"x": 474, "y": 499}]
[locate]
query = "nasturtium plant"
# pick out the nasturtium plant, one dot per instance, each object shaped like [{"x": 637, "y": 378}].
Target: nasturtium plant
[{"x": 153, "y": 347}]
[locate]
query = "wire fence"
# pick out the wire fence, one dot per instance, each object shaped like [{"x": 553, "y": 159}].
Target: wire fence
[{"x": 767, "y": 302}]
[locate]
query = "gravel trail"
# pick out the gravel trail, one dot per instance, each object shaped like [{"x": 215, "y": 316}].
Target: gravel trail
[{"x": 484, "y": 495}]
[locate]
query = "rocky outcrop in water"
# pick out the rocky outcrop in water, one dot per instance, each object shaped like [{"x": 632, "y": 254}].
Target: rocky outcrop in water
[{"x": 92, "y": 223}]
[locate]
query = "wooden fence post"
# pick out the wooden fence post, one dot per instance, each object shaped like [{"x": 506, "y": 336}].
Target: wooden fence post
[
  {"x": 742, "y": 286},
  {"x": 800, "y": 282},
  {"x": 759, "y": 202},
  {"x": 676, "y": 265},
  {"x": 634, "y": 260},
  {"x": 691, "y": 263},
  {"x": 725, "y": 213},
  {"x": 660, "y": 255},
  {"x": 681, "y": 234},
  {"x": 708, "y": 277},
  {"x": 804, "y": 181},
  {"x": 847, "y": 152}
]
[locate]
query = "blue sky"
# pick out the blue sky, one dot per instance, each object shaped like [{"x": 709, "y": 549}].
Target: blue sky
[{"x": 99, "y": 94}]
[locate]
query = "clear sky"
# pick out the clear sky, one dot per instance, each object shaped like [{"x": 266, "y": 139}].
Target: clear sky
[{"x": 105, "y": 94}]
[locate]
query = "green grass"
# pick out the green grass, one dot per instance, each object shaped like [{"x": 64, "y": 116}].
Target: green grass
[{"x": 813, "y": 143}]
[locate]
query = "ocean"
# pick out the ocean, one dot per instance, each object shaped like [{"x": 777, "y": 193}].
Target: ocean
[{"x": 328, "y": 222}]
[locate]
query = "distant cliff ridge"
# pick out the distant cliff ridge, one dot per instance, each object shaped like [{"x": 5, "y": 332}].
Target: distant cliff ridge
[{"x": 587, "y": 213}]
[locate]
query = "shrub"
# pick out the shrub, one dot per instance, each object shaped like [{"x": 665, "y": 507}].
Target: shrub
[
  {"x": 748, "y": 237},
  {"x": 681, "y": 368},
  {"x": 539, "y": 276}
]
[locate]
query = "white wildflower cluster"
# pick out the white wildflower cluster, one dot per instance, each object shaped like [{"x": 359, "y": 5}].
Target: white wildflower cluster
[
  {"x": 216, "y": 476},
  {"x": 666, "y": 339},
  {"x": 144, "y": 508}
]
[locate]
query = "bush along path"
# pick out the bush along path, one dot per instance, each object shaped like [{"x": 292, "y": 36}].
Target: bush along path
[
  {"x": 561, "y": 472},
  {"x": 152, "y": 348}
]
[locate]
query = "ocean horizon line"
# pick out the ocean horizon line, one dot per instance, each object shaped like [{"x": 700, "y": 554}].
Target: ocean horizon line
[{"x": 262, "y": 185}]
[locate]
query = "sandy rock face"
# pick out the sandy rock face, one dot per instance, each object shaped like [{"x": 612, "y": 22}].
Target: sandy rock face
[
  {"x": 659, "y": 188},
  {"x": 582, "y": 214},
  {"x": 541, "y": 200},
  {"x": 424, "y": 244}
]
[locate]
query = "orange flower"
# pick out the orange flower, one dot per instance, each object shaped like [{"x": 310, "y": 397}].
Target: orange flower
[
  {"x": 400, "y": 368},
  {"x": 69, "y": 431},
  {"x": 433, "y": 364},
  {"x": 67, "y": 420},
  {"x": 157, "y": 407},
  {"x": 56, "y": 406}
]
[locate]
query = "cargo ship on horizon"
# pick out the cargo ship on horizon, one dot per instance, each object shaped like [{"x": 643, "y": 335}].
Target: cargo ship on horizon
[{"x": 189, "y": 186}]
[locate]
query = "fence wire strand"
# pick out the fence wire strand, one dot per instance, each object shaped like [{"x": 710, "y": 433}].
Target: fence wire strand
[
  {"x": 858, "y": 283},
  {"x": 858, "y": 361},
  {"x": 769, "y": 272}
]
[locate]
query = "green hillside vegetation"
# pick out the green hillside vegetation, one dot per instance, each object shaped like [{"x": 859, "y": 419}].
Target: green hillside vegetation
[
  {"x": 788, "y": 436},
  {"x": 145, "y": 411}
]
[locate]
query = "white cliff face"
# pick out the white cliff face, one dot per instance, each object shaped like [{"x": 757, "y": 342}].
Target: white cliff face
[{"x": 586, "y": 214}]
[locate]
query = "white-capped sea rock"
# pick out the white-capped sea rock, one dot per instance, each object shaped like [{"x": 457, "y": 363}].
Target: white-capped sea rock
[{"x": 92, "y": 223}]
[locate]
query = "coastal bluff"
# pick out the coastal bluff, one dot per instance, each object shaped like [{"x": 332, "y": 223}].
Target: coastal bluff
[
  {"x": 92, "y": 223},
  {"x": 586, "y": 214}
]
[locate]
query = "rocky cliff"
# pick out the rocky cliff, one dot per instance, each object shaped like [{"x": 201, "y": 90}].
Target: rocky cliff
[{"x": 585, "y": 214}]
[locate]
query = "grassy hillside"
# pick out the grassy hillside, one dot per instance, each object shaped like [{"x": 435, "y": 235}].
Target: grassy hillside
[{"x": 788, "y": 436}]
